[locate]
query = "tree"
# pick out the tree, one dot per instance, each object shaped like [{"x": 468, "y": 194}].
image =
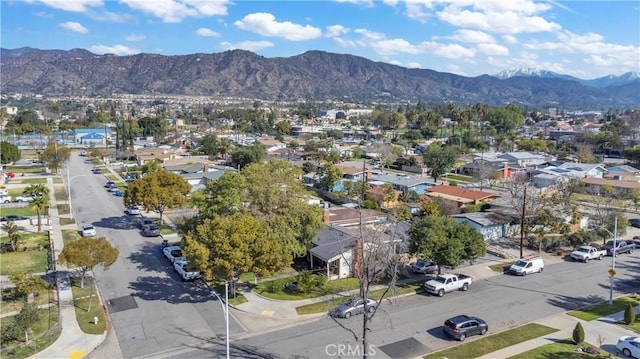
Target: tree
[
  {"x": 151, "y": 166},
  {"x": 242, "y": 156},
  {"x": 27, "y": 285},
  {"x": 329, "y": 176},
  {"x": 310, "y": 167},
  {"x": 505, "y": 119},
  {"x": 578, "y": 334},
  {"x": 438, "y": 159},
  {"x": 209, "y": 145},
  {"x": 27, "y": 317},
  {"x": 87, "y": 253},
  {"x": 8, "y": 152},
  {"x": 14, "y": 234},
  {"x": 55, "y": 156},
  {"x": 445, "y": 241},
  {"x": 629, "y": 315},
  {"x": 157, "y": 191},
  {"x": 40, "y": 194}
]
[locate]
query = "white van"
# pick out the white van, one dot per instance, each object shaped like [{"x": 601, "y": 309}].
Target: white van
[{"x": 527, "y": 265}]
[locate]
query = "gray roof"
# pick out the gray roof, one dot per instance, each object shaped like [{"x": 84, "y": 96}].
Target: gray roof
[
  {"x": 623, "y": 169},
  {"x": 401, "y": 180},
  {"x": 485, "y": 219},
  {"x": 331, "y": 243},
  {"x": 586, "y": 167},
  {"x": 186, "y": 168}
]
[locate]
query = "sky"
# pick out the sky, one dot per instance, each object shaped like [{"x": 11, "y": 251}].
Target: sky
[{"x": 586, "y": 39}]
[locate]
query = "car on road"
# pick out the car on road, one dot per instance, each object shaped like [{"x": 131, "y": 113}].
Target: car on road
[
  {"x": 88, "y": 231},
  {"x": 10, "y": 174},
  {"x": 527, "y": 265},
  {"x": 132, "y": 211},
  {"x": 97, "y": 170},
  {"x": 462, "y": 326},
  {"x": 174, "y": 254},
  {"x": 424, "y": 267},
  {"x": 445, "y": 283},
  {"x": 353, "y": 306},
  {"x": 109, "y": 184},
  {"x": 83, "y": 153},
  {"x": 629, "y": 346},
  {"x": 586, "y": 253},
  {"x": 634, "y": 222},
  {"x": 118, "y": 193},
  {"x": 144, "y": 222},
  {"x": 12, "y": 217},
  {"x": 151, "y": 230}
]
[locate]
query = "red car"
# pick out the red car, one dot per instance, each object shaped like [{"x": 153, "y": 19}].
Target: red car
[{"x": 10, "y": 174}]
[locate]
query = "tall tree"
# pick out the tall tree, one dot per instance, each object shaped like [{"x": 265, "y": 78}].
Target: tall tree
[
  {"x": 40, "y": 194},
  {"x": 8, "y": 152},
  {"x": 439, "y": 159},
  {"x": 86, "y": 253},
  {"x": 55, "y": 156},
  {"x": 157, "y": 191},
  {"x": 27, "y": 285},
  {"x": 14, "y": 233}
]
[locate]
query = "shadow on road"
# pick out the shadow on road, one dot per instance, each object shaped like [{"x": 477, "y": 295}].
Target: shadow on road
[
  {"x": 122, "y": 222},
  {"x": 437, "y": 332},
  {"x": 171, "y": 291},
  {"x": 573, "y": 303},
  {"x": 217, "y": 347}
]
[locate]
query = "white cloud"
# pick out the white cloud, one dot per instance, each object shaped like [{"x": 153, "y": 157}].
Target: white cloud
[
  {"x": 44, "y": 14},
  {"x": 345, "y": 42},
  {"x": 174, "y": 11},
  {"x": 413, "y": 65},
  {"x": 336, "y": 30},
  {"x": 492, "y": 49},
  {"x": 135, "y": 37},
  {"x": 247, "y": 45},
  {"x": 265, "y": 24},
  {"x": 472, "y": 36},
  {"x": 357, "y": 2},
  {"x": 207, "y": 32},
  {"x": 116, "y": 49},
  {"x": 74, "y": 26},
  {"x": 451, "y": 51},
  {"x": 394, "y": 46},
  {"x": 70, "y": 5},
  {"x": 455, "y": 69},
  {"x": 419, "y": 9},
  {"x": 510, "y": 39}
]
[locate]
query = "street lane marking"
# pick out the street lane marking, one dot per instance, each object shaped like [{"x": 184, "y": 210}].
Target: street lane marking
[
  {"x": 78, "y": 354},
  {"x": 268, "y": 313}
]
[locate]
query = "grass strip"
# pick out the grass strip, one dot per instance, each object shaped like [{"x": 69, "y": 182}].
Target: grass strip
[
  {"x": 564, "y": 349},
  {"x": 494, "y": 342},
  {"x": 603, "y": 309}
]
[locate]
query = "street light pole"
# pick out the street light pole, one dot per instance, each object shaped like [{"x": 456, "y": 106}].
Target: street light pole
[
  {"x": 225, "y": 309},
  {"x": 613, "y": 257},
  {"x": 69, "y": 193}
]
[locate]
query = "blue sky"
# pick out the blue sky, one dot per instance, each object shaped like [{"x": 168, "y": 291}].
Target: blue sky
[{"x": 586, "y": 39}]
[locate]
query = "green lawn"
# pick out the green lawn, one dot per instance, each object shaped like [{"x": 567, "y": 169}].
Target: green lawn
[
  {"x": 57, "y": 180},
  {"x": 69, "y": 235},
  {"x": 458, "y": 178},
  {"x": 11, "y": 301},
  {"x": 275, "y": 289},
  {"x": 84, "y": 299},
  {"x": 61, "y": 193},
  {"x": 501, "y": 267},
  {"x": 237, "y": 300},
  {"x": 33, "y": 181},
  {"x": 30, "y": 240},
  {"x": 603, "y": 309},
  {"x": 63, "y": 208},
  {"x": 325, "y": 306},
  {"x": 19, "y": 170},
  {"x": 29, "y": 262},
  {"x": 27, "y": 211},
  {"x": 65, "y": 221},
  {"x": 43, "y": 329},
  {"x": 562, "y": 349},
  {"x": 164, "y": 230},
  {"x": 493, "y": 342}
]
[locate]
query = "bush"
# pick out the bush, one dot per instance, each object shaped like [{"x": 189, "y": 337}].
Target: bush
[
  {"x": 629, "y": 315},
  {"x": 578, "y": 334}
]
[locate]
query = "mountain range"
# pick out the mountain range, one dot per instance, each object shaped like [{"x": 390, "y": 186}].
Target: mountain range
[
  {"x": 600, "y": 82},
  {"x": 313, "y": 75}
]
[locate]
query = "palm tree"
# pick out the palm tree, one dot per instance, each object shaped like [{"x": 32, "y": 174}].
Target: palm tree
[
  {"x": 40, "y": 195},
  {"x": 13, "y": 232}
]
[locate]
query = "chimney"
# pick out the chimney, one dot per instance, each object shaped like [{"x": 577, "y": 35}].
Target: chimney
[{"x": 327, "y": 216}]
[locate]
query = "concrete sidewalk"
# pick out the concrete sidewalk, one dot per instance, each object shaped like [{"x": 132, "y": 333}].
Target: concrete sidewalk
[{"x": 73, "y": 342}]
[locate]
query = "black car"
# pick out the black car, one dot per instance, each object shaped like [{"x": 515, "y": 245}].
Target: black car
[
  {"x": 634, "y": 222},
  {"x": 12, "y": 217},
  {"x": 462, "y": 326}
]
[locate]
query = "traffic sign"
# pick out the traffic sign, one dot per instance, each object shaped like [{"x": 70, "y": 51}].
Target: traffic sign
[{"x": 612, "y": 272}]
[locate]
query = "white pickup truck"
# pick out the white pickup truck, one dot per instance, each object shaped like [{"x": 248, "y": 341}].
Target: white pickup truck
[
  {"x": 586, "y": 253},
  {"x": 182, "y": 267},
  {"x": 445, "y": 283}
]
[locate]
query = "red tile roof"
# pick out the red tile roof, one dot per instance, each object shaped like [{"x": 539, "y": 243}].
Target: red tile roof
[{"x": 459, "y": 192}]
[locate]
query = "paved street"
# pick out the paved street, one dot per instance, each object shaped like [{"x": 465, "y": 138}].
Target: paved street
[{"x": 151, "y": 309}]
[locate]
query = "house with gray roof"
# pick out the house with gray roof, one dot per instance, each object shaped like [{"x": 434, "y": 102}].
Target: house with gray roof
[
  {"x": 403, "y": 182},
  {"x": 524, "y": 158},
  {"x": 491, "y": 225}
]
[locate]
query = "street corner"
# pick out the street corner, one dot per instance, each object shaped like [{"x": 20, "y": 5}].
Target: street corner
[{"x": 77, "y": 354}]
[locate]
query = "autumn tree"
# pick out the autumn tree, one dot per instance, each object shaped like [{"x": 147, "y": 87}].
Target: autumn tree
[
  {"x": 255, "y": 220},
  {"x": 55, "y": 156},
  {"x": 157, "y": 191},
  {"x": 40, "y": 194},
  {"x": 86, "y": 253},
  {"x": 14, "y": 234},
  {"x": 439, "y": 159},
  {"x": 445, "y": 241}
]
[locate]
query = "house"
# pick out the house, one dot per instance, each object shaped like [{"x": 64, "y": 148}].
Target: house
[
  {"x": 272, "y": 145},
  {"x": 348, "y": 217},
  {"x": 620, "y": 187},
  {"x": 382, "y": 197},
  {"x": 623, "y": 172},
  {"x": 550, "y": 176},
  {"x": 148, "y": 154},
  {"x": 491, "y": 225},
  {"x": 403, "y": 182},
  {"x": 523, "y": 158},
  {"x": 462, "y": 196}
]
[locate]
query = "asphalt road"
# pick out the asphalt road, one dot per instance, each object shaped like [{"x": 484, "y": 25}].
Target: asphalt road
[
  {"x": 152, "y": 311},
  {"x": 411, "y": 326}
]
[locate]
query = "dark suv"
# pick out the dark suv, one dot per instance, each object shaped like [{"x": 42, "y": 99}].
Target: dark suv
[{"x": 462, "y": 326}]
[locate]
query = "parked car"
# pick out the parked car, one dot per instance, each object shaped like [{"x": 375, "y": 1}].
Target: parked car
[
  {"x": 110, "y": 184},
  {"x": 173, "y": 254},
  {"x": 527, "y": 265},
  {"x": 144, "y": 222},
  {"x": 620, "y": 247},
  {"x": 185, "y": 272},
  {"x": 88, "y": 231},
  {"x": 634, "y": 222},
  {"x": 445, "y": 283},
  {"x": 12, "y": 217},
  {"x": 23, "y": 198},
  {"x": 586, "y": 253},
  {"x": 151, "y": 230},
  {"x": 5, "y": 199},
  {"x": 10, "y": 174},
  {"x": 97, "y": 170},
  {"x": 462, "y": 326},
  {"x": 424, "y": 267},
  {"x": 629, "y": 346},
  {"x": 83, "y": 153},
  {"x": 118, "y": 193},
  {"x": 132, "y": 211},
  {"x": 354, "y": 306}
]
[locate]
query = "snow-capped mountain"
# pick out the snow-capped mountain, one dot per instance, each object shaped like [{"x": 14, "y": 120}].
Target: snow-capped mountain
[{"x": 605, "y": 81}]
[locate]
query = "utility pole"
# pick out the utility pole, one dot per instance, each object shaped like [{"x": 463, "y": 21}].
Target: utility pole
[{"x": 522, "y": 219}]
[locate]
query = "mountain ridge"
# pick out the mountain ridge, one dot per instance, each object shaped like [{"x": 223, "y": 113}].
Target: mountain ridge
[{"x": 313, "y": 74}]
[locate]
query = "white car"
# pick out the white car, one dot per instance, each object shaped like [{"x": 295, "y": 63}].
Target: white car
[
  {"x": 89, "y": 231},
  {"x": 629, "y": 346},
  {"x": 24, "y": 198},
  {"x": 132, "y": 211},
  {"x": 83, "y": 153}
]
